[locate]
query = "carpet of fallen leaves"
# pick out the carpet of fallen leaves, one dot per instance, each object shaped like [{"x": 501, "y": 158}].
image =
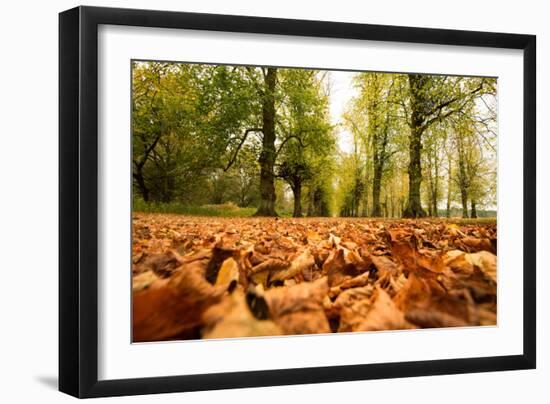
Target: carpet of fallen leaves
[{"x": 198, "y": 277}]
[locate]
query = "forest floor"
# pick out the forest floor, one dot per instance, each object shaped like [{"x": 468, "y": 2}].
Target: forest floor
[{"x": 214, "y": 277}]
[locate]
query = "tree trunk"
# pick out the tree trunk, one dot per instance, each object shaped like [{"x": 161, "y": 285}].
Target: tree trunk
[
  {"x": 143, "y": 190},
  {"x": 366, "y": 180},
  {"x": 268, "y": 154},
  {"x": 435, "y": 186},
  {"x": 449, "y": 182},
  {"x": 297, "y": 191},
  {"x": 243, "y": 196},
  {"x": 365, "y": 210},
  {"x": 357, "y": 192},
  {"x": 310, "y": 206},
  {"x": 464, "y": 198},
  {"x": 392, "y": 201},
  {"x": 414, "y": 205},
  {"x": 376, "y": 185},
  {"x": 434, "y": 200},
  {"x": 319, "y": 203},
  {"x": 463, "y": 178},
  {"x": 430, "y": 187},
  {"x": 434, "y": 209},
  {"x": 473, "y": 211}
]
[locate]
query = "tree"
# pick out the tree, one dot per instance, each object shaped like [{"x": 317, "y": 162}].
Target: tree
[
  {"x": 434, "y": 146},
  {"x": 474, "y": 143},
  {"x": 357, "y": 167},
  {"x": 147, "y": 122},
  {"x": 306, "y": 132},
  {"x": 475, "y": 176},
  {"x": 350, "y": 185},
  {"x": 379, "y": 93},
  {"x": 432, "y": 99},
  {"x": 268, "y": 155},
  {"x": 185, "y": 120},
  {"x": 449, "y": 156},
  {"x": 374, "y": 120},
  {"x": 247, "y": 173}
]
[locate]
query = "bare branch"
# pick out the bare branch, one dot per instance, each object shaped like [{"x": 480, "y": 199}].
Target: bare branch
[{"x": 240, "y": 145}]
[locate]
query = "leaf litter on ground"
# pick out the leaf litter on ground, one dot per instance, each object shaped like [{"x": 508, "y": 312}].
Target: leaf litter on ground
[{"x": 204, "y": 277}]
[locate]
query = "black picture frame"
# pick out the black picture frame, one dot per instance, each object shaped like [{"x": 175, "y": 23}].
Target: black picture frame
[{"x": 78, "y": 201}]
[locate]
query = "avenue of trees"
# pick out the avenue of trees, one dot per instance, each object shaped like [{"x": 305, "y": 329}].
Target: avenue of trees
[{"x": 264, "y": 138}]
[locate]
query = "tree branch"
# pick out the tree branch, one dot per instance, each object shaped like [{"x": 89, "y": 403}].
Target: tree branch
[
  {"x": 444, "y": 104},
  {"x": 234, "y": 157},
  {"x": 287, "y": 139},
  {"x": 148, "y": 151}
]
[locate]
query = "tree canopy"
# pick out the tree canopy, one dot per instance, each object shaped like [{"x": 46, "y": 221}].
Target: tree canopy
[{"x": 268, "y": 139}]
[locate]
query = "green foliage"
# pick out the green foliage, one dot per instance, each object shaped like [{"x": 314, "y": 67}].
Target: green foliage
[
  {"x": 185, "y": 118},
  {"x": 197, "y": 142},
  {"x": 308, "y": 142}
]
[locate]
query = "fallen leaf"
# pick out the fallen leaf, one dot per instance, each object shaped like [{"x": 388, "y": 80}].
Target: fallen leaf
[
  {"x": 232, "y": 318},
  {"x": 143, "y": 280},
  {"x": 304, "y": 262},
  {"x": 299, "y": 309},
  {"x": 172, "y": 306},
  {"x": 383, "y": 315},
  {"x": 228, "y": 275}
]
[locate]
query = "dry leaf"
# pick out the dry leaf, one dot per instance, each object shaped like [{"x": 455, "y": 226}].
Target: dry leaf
[
  {"x": 232, "y": 318},
  {"x": 228, "y": 275},
  {"x": 299, "y": 309},
  {"x": 304, "y": 262},
  {"x": 143, "y": 281},
  {"x": 172, "y": 306},
  {"x": 383, "y": 315}
]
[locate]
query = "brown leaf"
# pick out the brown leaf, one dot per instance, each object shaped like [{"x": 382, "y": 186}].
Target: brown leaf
[
  {"x": 143, "y": 280},
  {"x": 474, "y": 273},
  {"x": 342, "y": 265},
  {"x": 417, "y": 260},
  {"x": 358, "y": 281},
  {"x": 304, "y": 262},
  {"x": 219, "y": 255},
  {"x": 169, "y": 307},
  {"x": 427, "y": 304},
  {"x": 351, "y": 307},
  {"x": 228, "y": 275},
  {"x": 163, "y": 265},
  {"x": 385, "y": 265},
  {"x": 232, "y": 318},
  {"x": 383, "y": 315},
  {"x": 299, "y": 309},
  {"x": 261, "y": 273},
  {"x": 473, "y": 244},
  {"x": 486, "y": 262},
  {"x": 429, "y": 318}
]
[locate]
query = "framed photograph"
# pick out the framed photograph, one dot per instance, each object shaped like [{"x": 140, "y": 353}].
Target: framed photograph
[{"x": 251, "y": 201}]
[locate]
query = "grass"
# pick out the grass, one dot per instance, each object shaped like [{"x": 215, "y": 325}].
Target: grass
[
  {"x": 224, "y": 210},
  {"x": 232, "y": 210},
  {"x": 479, "y": 220}
]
